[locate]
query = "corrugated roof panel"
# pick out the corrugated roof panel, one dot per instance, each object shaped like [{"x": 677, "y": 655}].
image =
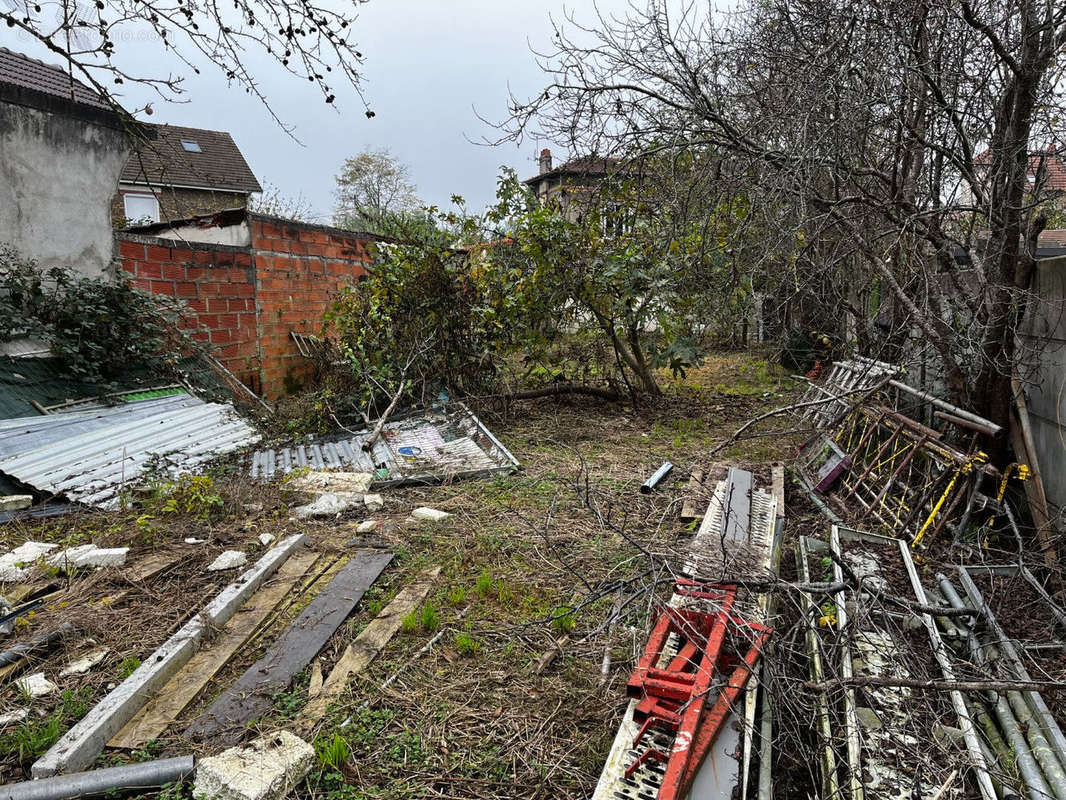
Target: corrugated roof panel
[
  {"x": 92, "y": 466},
  {"x": 23, "y": 434},
  {"x": 423, "y": 447}
]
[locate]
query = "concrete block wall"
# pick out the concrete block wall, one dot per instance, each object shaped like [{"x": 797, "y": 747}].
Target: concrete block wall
[{"x": 245, "y": 301}]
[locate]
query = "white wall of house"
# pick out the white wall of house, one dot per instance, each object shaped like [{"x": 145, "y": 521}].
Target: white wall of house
[{"x": 58, "y": 174}]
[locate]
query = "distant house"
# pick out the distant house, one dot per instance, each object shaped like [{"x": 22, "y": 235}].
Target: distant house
[
  {"x": 180, "y": 173},
  {"x": 62, "y": 147},
  {"x": 574, "y": 185}
]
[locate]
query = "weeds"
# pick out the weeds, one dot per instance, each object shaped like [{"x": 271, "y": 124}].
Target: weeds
[
  {"x": 128, "y": 666},
  {"x": 484, "y": 583},
  {"x": 409, "y": 624},
  {"x": 196, "y": 495},
  {"x": 564, "y": 619},
  {"x": 332, "y": 753},
  {"x": 466, "y": 644},
  {"x": 430, "y": 618},
  {"x": 34, "y": 736},
  {"x": 457, "y": 596}
]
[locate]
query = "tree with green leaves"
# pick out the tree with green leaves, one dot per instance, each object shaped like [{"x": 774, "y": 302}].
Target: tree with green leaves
[{"x": 375, "y": 194}]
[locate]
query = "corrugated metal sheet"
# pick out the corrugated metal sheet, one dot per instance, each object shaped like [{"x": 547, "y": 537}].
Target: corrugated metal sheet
[
  {"x": 23, "y": 434},
  {"x": 424, "y": 447},
  {"x": 91, "y": 466}
]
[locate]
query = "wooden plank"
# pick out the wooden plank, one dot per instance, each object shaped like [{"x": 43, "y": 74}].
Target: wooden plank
[
  {"x": 252, "y": 694},
  {"x": 182, "y": 689},
  {"x": 80, "y": 745},
  {"x": 777, "y": 479},
  {"x": 368, "y": 644},
  {"x": 1024, "y": 447},
  {"x": 693, "y": 506}
]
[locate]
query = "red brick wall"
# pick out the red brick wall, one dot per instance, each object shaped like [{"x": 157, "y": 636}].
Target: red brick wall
[
  {"x": 218, "y": 284},
  {"x": 247, "y": 300},
  {"x": 298, "y": 270}
]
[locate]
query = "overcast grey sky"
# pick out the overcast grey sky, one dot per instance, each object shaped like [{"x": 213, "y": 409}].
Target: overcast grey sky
[{"x": 429, "y": 64}]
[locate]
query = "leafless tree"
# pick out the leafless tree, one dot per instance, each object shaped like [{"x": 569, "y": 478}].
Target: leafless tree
[
  {"x": 893, "y": 141},
  {"x": 310, "y": 40}
]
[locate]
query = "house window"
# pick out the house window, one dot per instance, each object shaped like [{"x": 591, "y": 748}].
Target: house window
[
  {"x": 191, "y": 145},
  {"x": 141, "y": 208}
]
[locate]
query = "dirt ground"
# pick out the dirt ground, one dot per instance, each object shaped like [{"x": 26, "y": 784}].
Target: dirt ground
[{"x": 526, "y": 559}]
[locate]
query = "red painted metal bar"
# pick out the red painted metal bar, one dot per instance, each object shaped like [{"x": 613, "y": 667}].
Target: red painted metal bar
[{"x": 713, "y": 721}]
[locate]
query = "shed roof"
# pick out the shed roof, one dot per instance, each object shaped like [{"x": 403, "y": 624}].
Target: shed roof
[{"x": 211, "y": 161}]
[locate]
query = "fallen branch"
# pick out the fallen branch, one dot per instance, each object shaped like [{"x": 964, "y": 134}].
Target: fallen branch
[
  {"x": 556, "y": 391},
  {"x": 368, "y": 443},
  {"x": 937, "y": 685},
  {"x": 552, "y": 654}
]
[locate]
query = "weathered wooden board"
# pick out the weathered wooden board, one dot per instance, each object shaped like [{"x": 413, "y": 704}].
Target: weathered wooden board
[
  {"x": 695, "y": 497},
  {"x": 368, "y": 644},
  {"x": 80, "y": 745},
  {"x": 251, "y": 695},
  {"x": 182, "y": 689},
  {"x": 777, "y": 479}
]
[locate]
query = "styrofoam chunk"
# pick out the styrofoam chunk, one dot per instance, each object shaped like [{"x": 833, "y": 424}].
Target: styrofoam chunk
[
  {"x": 12, "y": 717},
  {"x": 327, "y": 505},
  {"x": 374, "y": 502},
  {"x": 366, "y": 526},
  {"x": 429, "y": 514},
  {"x": 85, "y": 663},
  {"x": 31, "y": 551},
  {"x": 231, "y": 559},
  {"x": 266, "y": 769},
  {"x": 334, "y": 481},
  {"x": 266, "y": 539},
  {"x": 35, "y": 685},
  {"x": 194, "y": 540}
]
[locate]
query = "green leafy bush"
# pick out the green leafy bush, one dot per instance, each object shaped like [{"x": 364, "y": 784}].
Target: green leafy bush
[{"x": 96, "y": 326}]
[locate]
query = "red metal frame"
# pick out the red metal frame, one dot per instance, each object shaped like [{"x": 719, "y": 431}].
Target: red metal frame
[{"x": 673, "y": 697}]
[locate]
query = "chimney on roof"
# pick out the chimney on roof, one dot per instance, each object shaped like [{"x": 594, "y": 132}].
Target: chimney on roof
[{"x": 545, "y": 161}]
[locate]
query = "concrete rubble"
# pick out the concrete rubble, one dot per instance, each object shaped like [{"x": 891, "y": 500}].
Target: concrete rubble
[
  {"x": 35, "y": 685},
  {"x": 231, "y": 559},
  {"x": 266, "y": 769},
  {"x": 367, "y": 526},
  {"x": 266, "y": 539},
  {"x": 374, "y": 502}
]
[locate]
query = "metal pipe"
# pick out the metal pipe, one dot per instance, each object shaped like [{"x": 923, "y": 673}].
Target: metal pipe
[
  {"x": 962, "y": 422},
  {"x": 936, "y": 401},
  {"x": 958, "y": 702},
  {"x": 1014, "y": 717},
  {"x": 654, "y": 480},
  {"x": 98, "y": 782},
  {"x": 1035, "y": 699},
  {"x": 818, "y": 503},
  {"x": 44, "y": 640},
  {"x": 851, "y": 719}
]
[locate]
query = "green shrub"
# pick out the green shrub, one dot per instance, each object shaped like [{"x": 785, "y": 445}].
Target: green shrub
[{"x": 97, "y": 327}]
